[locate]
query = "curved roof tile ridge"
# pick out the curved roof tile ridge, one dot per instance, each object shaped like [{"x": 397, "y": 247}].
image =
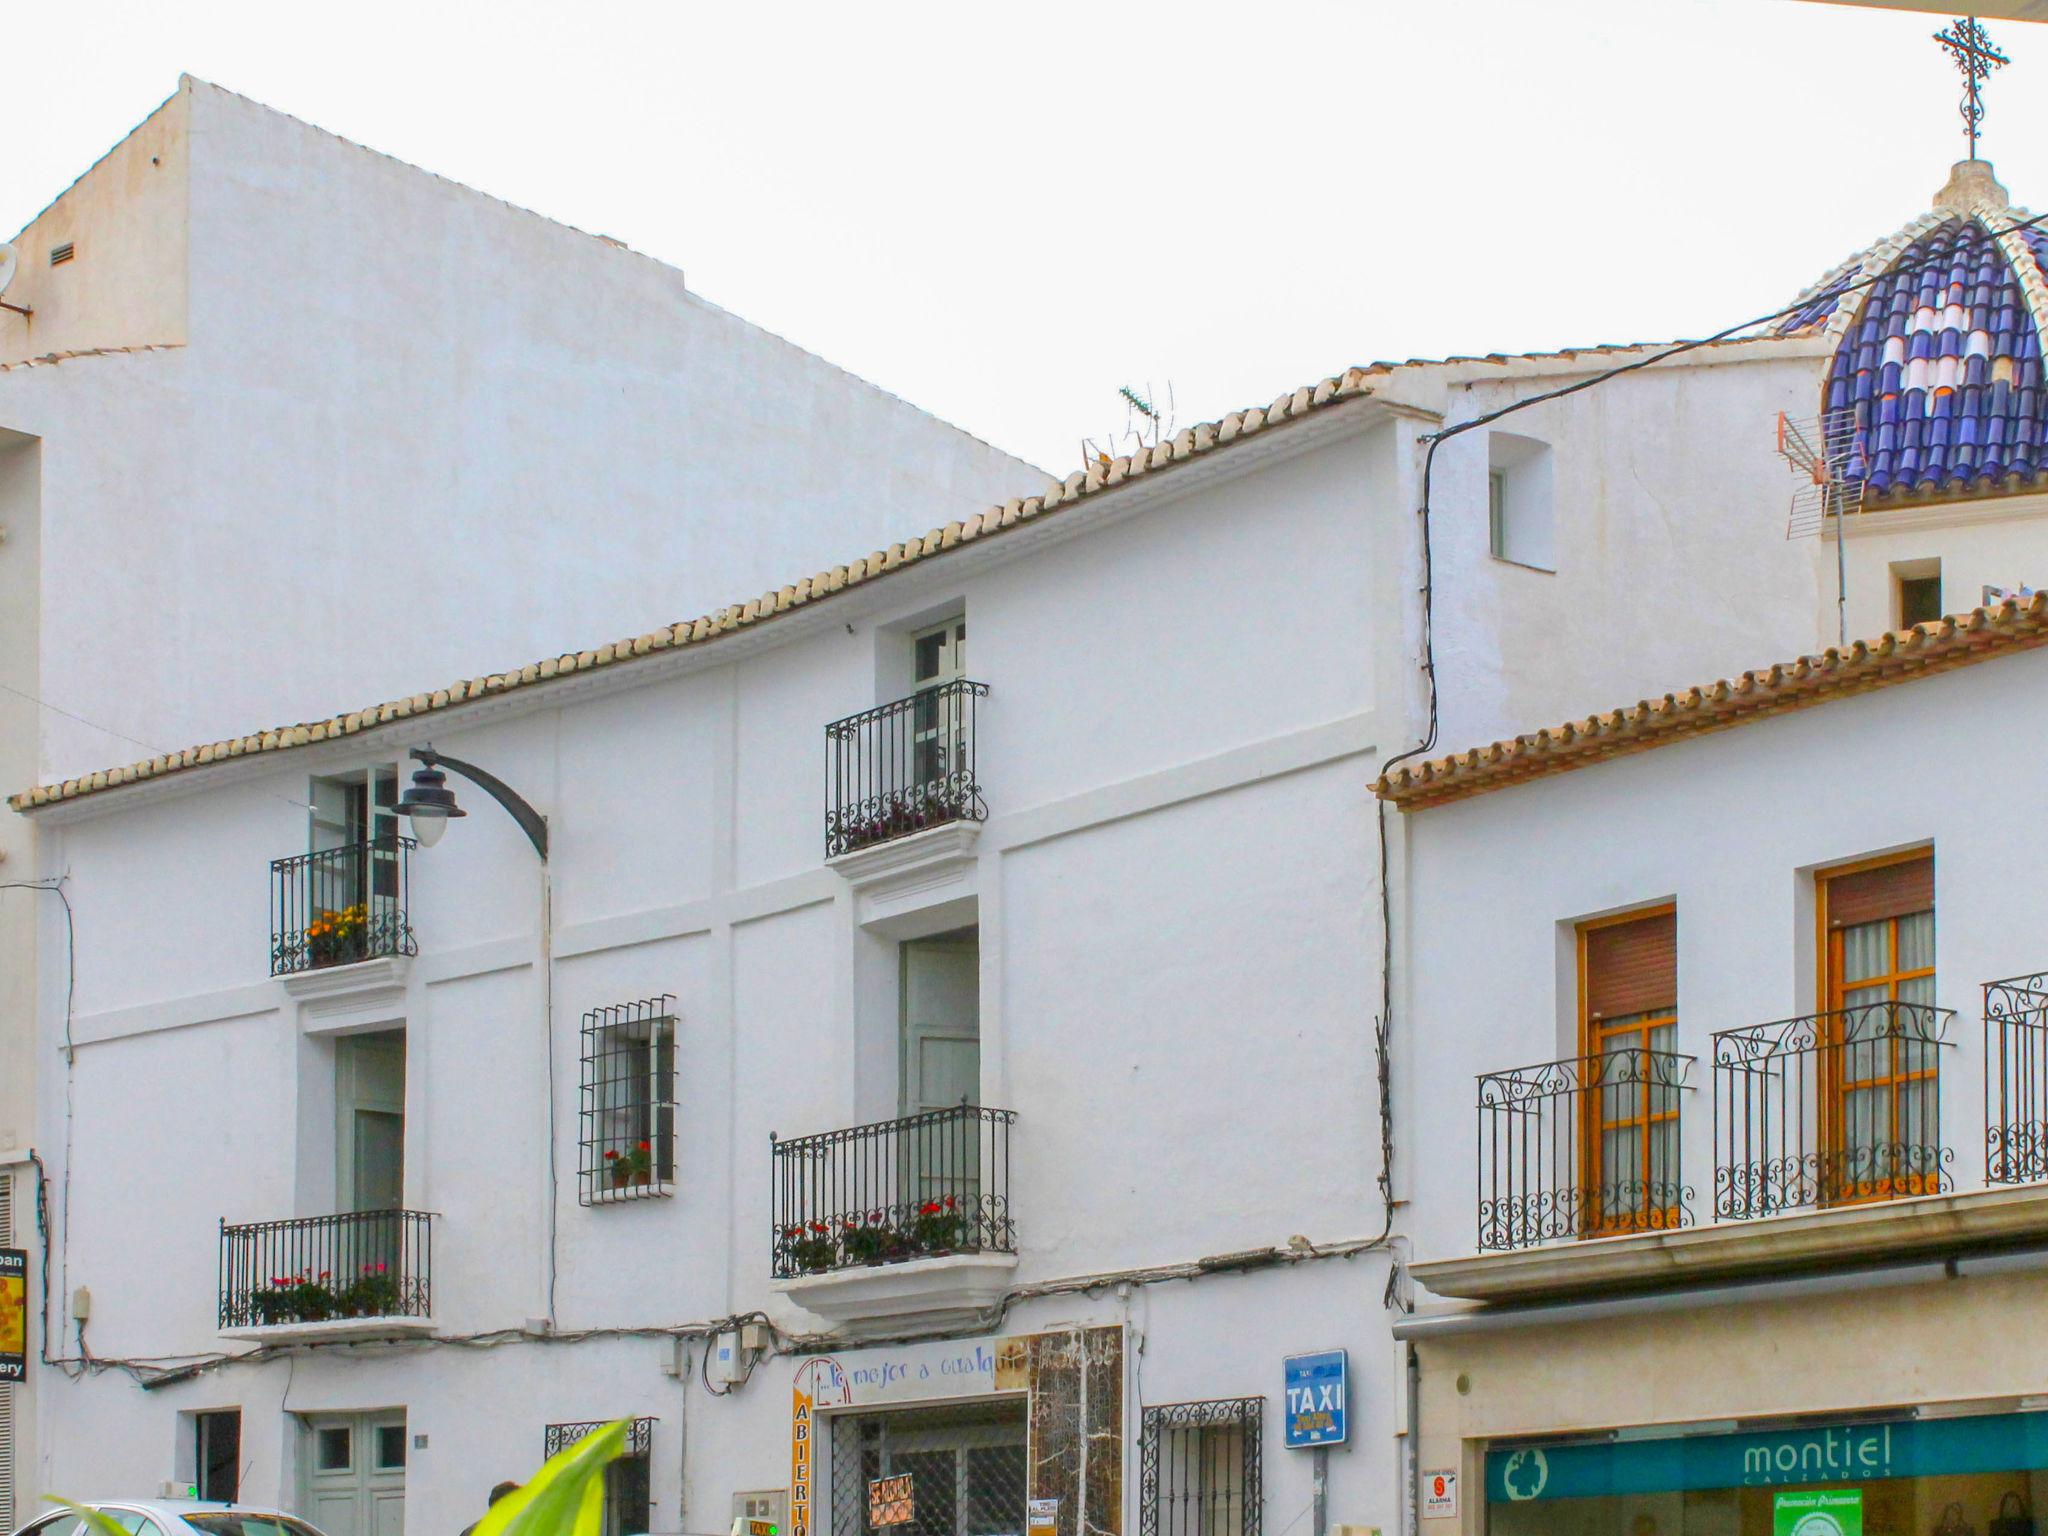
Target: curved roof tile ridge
[
  {"x": 1897, "y": 656},
  {"x": 1186, "y": 445}
]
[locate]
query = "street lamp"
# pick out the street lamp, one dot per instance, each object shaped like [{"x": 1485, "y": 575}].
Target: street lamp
[{"x": 431, "y": 803}]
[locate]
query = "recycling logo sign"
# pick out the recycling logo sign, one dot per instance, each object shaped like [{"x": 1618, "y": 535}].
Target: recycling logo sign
[
  {"x": 1529, "y": 1469},
  {"x": 1824, "y": 1512}
]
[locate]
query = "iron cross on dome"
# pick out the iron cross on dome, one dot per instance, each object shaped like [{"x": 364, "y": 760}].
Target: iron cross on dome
[{"x": 1976, "y": 56}]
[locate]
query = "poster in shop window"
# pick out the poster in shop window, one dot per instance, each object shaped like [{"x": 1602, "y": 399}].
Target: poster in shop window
[
  {"x": 889, "y": 1501},
  {"x": 13, "y": 1315}
]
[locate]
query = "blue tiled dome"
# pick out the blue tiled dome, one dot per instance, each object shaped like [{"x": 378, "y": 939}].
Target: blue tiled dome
[{"x": 1939, "y": 345}]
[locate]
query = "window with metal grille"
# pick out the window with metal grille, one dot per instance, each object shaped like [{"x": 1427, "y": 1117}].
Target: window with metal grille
[
  {"x": 628, "y": 1481},
  {"x": 1199, "y": 1469},
  {"x": 628, "y": 1104}
]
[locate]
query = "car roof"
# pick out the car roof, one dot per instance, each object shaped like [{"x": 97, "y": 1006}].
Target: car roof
[{"x": 178, "y": 1508}]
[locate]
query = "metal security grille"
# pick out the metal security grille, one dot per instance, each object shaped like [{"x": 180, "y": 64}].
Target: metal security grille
[
  {"x": 903, "y": 767},
  {"x": 314, "y": 1268},
  {"x": 966, "y": 1464},
  {"x": 912, "y": 1188},
  {"x": 336, "y": 906},
  {"x": 628, "y": 1482},
  {"x": 7, "y": 1517},
  {"x": 1199, "y": 1469},
  {"x": 559, "y": 1437},
  {"x": 628, "y": 1101}
]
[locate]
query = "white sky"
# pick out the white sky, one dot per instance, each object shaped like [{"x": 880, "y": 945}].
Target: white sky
[{"x": 1004, "y": 213}]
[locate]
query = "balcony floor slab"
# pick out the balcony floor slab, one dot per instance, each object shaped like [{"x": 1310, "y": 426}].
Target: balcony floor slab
[
  {"x": 907, "y": 885},
  {"x": 885, "y": 1298},
  {"x": 338, "y": 1330},
  {"x": 1800, "y": 1241}
]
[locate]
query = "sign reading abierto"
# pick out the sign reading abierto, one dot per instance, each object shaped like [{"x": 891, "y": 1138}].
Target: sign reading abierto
[
  {"x": 889, "y": 1501},
  {"x": 13, "y": 1315},
  {"x": 1315, "y": 1399}
]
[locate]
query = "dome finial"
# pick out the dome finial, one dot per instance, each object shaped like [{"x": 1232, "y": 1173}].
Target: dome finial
[{"x": 1972, "y": 186}]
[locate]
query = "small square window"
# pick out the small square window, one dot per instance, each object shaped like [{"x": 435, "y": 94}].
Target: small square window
[
  {"x": 334, "y": 1448},
  {"x": 390, "y": 1447},
  {"x": 1521, "y": 519},
  {"x": 1919, "y": 600}
]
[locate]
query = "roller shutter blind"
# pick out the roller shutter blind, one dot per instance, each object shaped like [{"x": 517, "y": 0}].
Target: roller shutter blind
[
  {"x": 1890, "y": 890},
  {"x": 1632, "y": 967}
]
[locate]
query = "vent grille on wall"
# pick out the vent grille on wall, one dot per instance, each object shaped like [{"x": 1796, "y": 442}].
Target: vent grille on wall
[{"x": 59, "y": 254}]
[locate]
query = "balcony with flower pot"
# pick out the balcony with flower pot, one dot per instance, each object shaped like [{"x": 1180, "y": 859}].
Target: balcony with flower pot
[
  {"x": 903, "y": 794},
  {"x": 905, "y": 1222},
  {"x": 355, "y": 1276},
  {"x": 338, "y": 918}
]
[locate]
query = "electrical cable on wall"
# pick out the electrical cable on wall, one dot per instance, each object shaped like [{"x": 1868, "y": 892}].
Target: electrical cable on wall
[
  {"x": 1432, "y": 722},
  {"x": 1436, "y": 440},
  {"x": 161, "y": 1371}
]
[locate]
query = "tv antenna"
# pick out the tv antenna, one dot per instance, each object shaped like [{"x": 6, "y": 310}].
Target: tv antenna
[
  {"x": 1146, "y": 425},
  {"x": 1822, "y": 449}
]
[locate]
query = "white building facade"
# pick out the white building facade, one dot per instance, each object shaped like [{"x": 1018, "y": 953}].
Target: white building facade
[
  {"x": 695, "y": 968},
  {"x": 969, "y": 958},
  {"x": 1737, "y": 1212},
  {"x": 280, "y": 416}
]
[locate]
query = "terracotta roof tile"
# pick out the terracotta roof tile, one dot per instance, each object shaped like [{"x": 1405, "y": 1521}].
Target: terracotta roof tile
[
  {"x": 1183, "y": 447},
  {"x": 1191, "y": 443},
  {"x": 1937, "y": 646}
]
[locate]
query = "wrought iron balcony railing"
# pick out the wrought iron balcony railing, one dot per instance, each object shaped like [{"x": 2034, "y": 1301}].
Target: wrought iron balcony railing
[
  {"x": 2016, "y": 1080},
  {"x": 339, "y": 905},
  {"x": 902, "y": 768},
  {"x": 914, "y": 1188},
  {"x": 361, "y": 1264},
  {"x": 1829, "y": 1109},
  {"x": 1585, "y": 1147}
]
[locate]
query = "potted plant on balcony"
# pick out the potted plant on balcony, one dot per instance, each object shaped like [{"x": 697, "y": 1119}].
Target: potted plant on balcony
[
  {"x": 807, "y": 1249},
  {"x": 304, "y": 1298},
  {"x": 373, "y": 1293},
  {"x": 938, "y": 1227},
  {"x": 336, "y": 938},
  {"x": 873, "y": 1241}
]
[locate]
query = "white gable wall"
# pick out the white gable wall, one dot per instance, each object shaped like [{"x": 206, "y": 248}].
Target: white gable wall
[{"x": 414, "y": 434}]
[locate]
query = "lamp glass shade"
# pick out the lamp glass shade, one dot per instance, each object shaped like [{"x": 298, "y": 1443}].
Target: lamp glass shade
[{"x": 428, "y": 804}]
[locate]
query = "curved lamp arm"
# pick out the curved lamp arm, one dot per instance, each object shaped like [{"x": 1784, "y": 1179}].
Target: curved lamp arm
[{"x": 531, "y": 822}]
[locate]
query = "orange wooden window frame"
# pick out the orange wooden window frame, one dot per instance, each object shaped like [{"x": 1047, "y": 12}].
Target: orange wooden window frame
[
  {"x": 1594, "y": 1036},
  {"x": 1837, "y": 1084}
]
